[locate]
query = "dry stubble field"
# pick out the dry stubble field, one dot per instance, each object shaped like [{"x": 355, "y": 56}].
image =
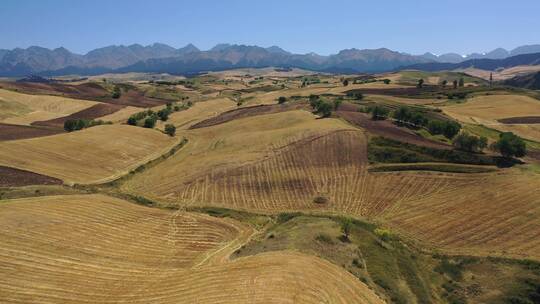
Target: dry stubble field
[
  {"x": 254, "y": 164},
  {"x": 91, "y": 155},
  {"x": 98, "y": 249}
]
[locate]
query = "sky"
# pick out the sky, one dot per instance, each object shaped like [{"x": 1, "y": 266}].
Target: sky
[{"x": 324, "y": 27}]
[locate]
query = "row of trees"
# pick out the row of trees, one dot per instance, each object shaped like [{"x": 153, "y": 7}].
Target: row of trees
[
  {"x": 150, "y": 117},
  {"x": 508, "y": 145},
  {"x": 71, "y": 125},
  {"x": 456, "y": 83},
  {"x": 410, "y": 117}
]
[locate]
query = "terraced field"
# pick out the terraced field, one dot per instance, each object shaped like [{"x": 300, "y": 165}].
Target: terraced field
[
  {"x": 92, "y": 155},
  {"x": 97, "y": 249}
]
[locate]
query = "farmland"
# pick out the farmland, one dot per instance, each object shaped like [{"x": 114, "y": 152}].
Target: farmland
[
  {"x": 139, "y": 254},
  {"x": 245, "y": 200},
  {"x": 500, "y": 112},
  {"x": 23, "y": 109},
  {"x": 92, "y": 155}
]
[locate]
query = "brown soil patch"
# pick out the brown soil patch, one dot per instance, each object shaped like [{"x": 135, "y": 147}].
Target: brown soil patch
[
  {"x": 11, "y": 177},
  {"x": 247, "y": 112},
  {"x": 13, "y": 132},
  {"x": 93, "y": 112},
  {"x": 408, "y": 91},
  {"x": 89, "y": 90},
  {"x": 386, "y": 128},
  {"x": 521, "y": 120}
]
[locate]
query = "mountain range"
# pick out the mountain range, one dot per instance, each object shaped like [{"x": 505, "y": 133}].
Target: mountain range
[
  {"x": 163, "y": 58},
  {"x": 498, "y": 53}
]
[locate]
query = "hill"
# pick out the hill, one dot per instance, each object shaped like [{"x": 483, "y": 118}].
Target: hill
[
  {"x": 529, "y": 81},
  {"x": 484, "y": 64}
]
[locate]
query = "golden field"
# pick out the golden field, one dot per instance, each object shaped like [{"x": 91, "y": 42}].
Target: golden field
[
  {"x": 93, "y": 155},
  {"x": 93, "y": 248}
]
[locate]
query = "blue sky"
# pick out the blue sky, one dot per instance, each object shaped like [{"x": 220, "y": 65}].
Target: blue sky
[{"x": 324, "y": 27}]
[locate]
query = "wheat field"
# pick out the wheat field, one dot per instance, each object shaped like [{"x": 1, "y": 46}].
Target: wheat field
[
  {"x": 98, "y": 249},
  {"x": 92, "y": 155},
  {"x": 23, "y": 109}
]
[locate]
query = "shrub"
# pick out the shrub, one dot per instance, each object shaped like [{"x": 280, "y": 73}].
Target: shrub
[
  {"x": 324, "y": 238},
  {"x": 170, "y": 129},
  {"x": 282, "y": 100},
  {"x": 386, "y": 81},
  {"x": 132, "y": 121},
  {"x": 346, "y": 227},
  {"x": 320, "y": 200},
  {"x": 71, "y": 125},
  {"x": 383, "y": 234}
]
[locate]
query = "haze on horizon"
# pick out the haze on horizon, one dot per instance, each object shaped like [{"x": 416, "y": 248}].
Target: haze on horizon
[{"x": 323, "y": 27}]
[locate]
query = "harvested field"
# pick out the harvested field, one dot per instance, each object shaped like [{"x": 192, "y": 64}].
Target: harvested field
[
  {"x": 14, "y": 132},
  {"x": 121, "y": 115},
  {"x": 97, "y": 249},
  {"x": 23, "y": 109},
  {"x": 247, "y": 112},
  {"x": 493, "y": 107},
  {"x": 494, "y": 215},
  {"x": 200, "y": 111},
  {"x": 386, "y": 128},
  {"x": 11, "y": 177},
  {"x": 489, "y": 110},
  {"x": 87, "y": 90},
  {"x": 98, "y": 110},
  {"x": 258, "y": 164},
  {"x": 92, "y": 155},
  {"x": 521, "y": 120}
]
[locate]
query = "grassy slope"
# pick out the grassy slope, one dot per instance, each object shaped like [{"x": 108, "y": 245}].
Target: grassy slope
[{"x": 396, "y": 270}]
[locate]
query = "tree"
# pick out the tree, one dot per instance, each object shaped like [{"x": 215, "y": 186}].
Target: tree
[
  {"x": 387, "y": 81},
  {"x": 420, "y": 83},
  {"x": 116, "y": 92},
  {"x": 282, "y": 99},
  {"x": 402, "y": 114},
  {"x": 150, "y": 122},
  {"x": 132, "y": 121},
  {"x": 469, "y": 143},
  {"x": 379, "y": 113},
  {"x": 455, "y": 83},
  {"x": 490, "y": 79},
  {"x": 70, "y": 125},
  {"x": 163, "y": 114},
  {"x": 451, "y": 128},
  {"x": 346, "y": 227},
  {"x": 510, "y": 145},
  {"x": 444, "y": 83},
  {"x": 170, "y": 129},
  {"x": 337, "y": 103},
  {"x": 345, "y": 82},
  {"x": 324, "y": 108},
  {"x": 461, "y": 82}
]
